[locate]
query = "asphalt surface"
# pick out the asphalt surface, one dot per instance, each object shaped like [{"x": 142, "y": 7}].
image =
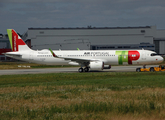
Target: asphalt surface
[{"x": 69, "y": 70}]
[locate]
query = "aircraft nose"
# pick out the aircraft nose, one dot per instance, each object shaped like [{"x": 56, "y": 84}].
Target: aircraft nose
[{"x": 160, "y": 59}]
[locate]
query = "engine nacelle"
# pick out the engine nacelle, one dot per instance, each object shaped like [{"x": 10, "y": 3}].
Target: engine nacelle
[
  {"x": 96, "y": 65},
  {"x": 107, "y": 66},
  {"x": 73, "y": 63}
]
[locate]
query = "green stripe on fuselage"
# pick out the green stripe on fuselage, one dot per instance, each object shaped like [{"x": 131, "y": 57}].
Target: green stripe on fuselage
[{"x": 122, "y": 57}]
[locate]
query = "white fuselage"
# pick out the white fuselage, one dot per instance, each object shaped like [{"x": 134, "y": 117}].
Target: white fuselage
[{"x": 109, "y": 57}]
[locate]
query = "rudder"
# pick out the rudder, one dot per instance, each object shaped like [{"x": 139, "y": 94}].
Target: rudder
[{"x": 17, "y": 44}]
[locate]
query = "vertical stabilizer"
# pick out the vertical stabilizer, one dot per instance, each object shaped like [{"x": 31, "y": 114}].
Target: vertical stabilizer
[{"x": 17, "y": 44}]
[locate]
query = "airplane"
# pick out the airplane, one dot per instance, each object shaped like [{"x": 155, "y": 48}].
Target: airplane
[{"x": 86, "y": 59}]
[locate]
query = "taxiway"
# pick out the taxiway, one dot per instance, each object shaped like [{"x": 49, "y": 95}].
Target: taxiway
[{"x": 69, "y": 69}]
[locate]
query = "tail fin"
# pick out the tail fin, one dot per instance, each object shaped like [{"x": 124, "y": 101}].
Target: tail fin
[{"x": 17, "y": 44}]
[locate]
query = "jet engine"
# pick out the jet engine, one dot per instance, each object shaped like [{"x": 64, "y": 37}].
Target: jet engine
[
  {"x": 107, "y": 66},
  {"x": 97, "y": 65}
]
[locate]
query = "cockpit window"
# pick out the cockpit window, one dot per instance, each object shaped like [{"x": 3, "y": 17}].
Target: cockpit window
[{"x": 154, "y": 54}]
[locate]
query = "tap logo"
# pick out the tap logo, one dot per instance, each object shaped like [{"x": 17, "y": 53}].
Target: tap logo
[{"x": 127, "y": 56}]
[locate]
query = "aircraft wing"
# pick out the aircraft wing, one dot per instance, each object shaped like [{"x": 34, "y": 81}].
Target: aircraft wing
[{"x": 78, "y": 60}]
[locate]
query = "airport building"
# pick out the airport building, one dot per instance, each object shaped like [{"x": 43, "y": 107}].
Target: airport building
[
  {"x": 91, "y": 38},
  {"x": 4, "y": 47},
  {"x": 97, "y": 38}
]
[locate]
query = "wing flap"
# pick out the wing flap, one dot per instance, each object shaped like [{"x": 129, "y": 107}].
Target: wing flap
[{"x": 79, "y": 59}]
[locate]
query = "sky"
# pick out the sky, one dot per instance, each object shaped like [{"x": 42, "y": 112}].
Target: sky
[{"x": 23, "y": 14}]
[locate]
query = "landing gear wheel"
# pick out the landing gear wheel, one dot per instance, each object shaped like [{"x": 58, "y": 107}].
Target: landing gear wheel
[
  {"x": 80, "y": 70},
  {"x": 138, "y": 70},
  {"x": 152, "y": 69},
  {"x": 86, "y": 69}
]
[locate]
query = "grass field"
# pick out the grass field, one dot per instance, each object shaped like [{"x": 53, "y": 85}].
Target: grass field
[{"x": 91, "y": 96}]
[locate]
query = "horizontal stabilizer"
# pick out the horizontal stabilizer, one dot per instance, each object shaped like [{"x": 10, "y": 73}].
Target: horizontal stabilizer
[{"x": 12, "y": 54}]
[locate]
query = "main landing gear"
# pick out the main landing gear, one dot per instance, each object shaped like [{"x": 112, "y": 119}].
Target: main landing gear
[{"x": 86, "y": 69}]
